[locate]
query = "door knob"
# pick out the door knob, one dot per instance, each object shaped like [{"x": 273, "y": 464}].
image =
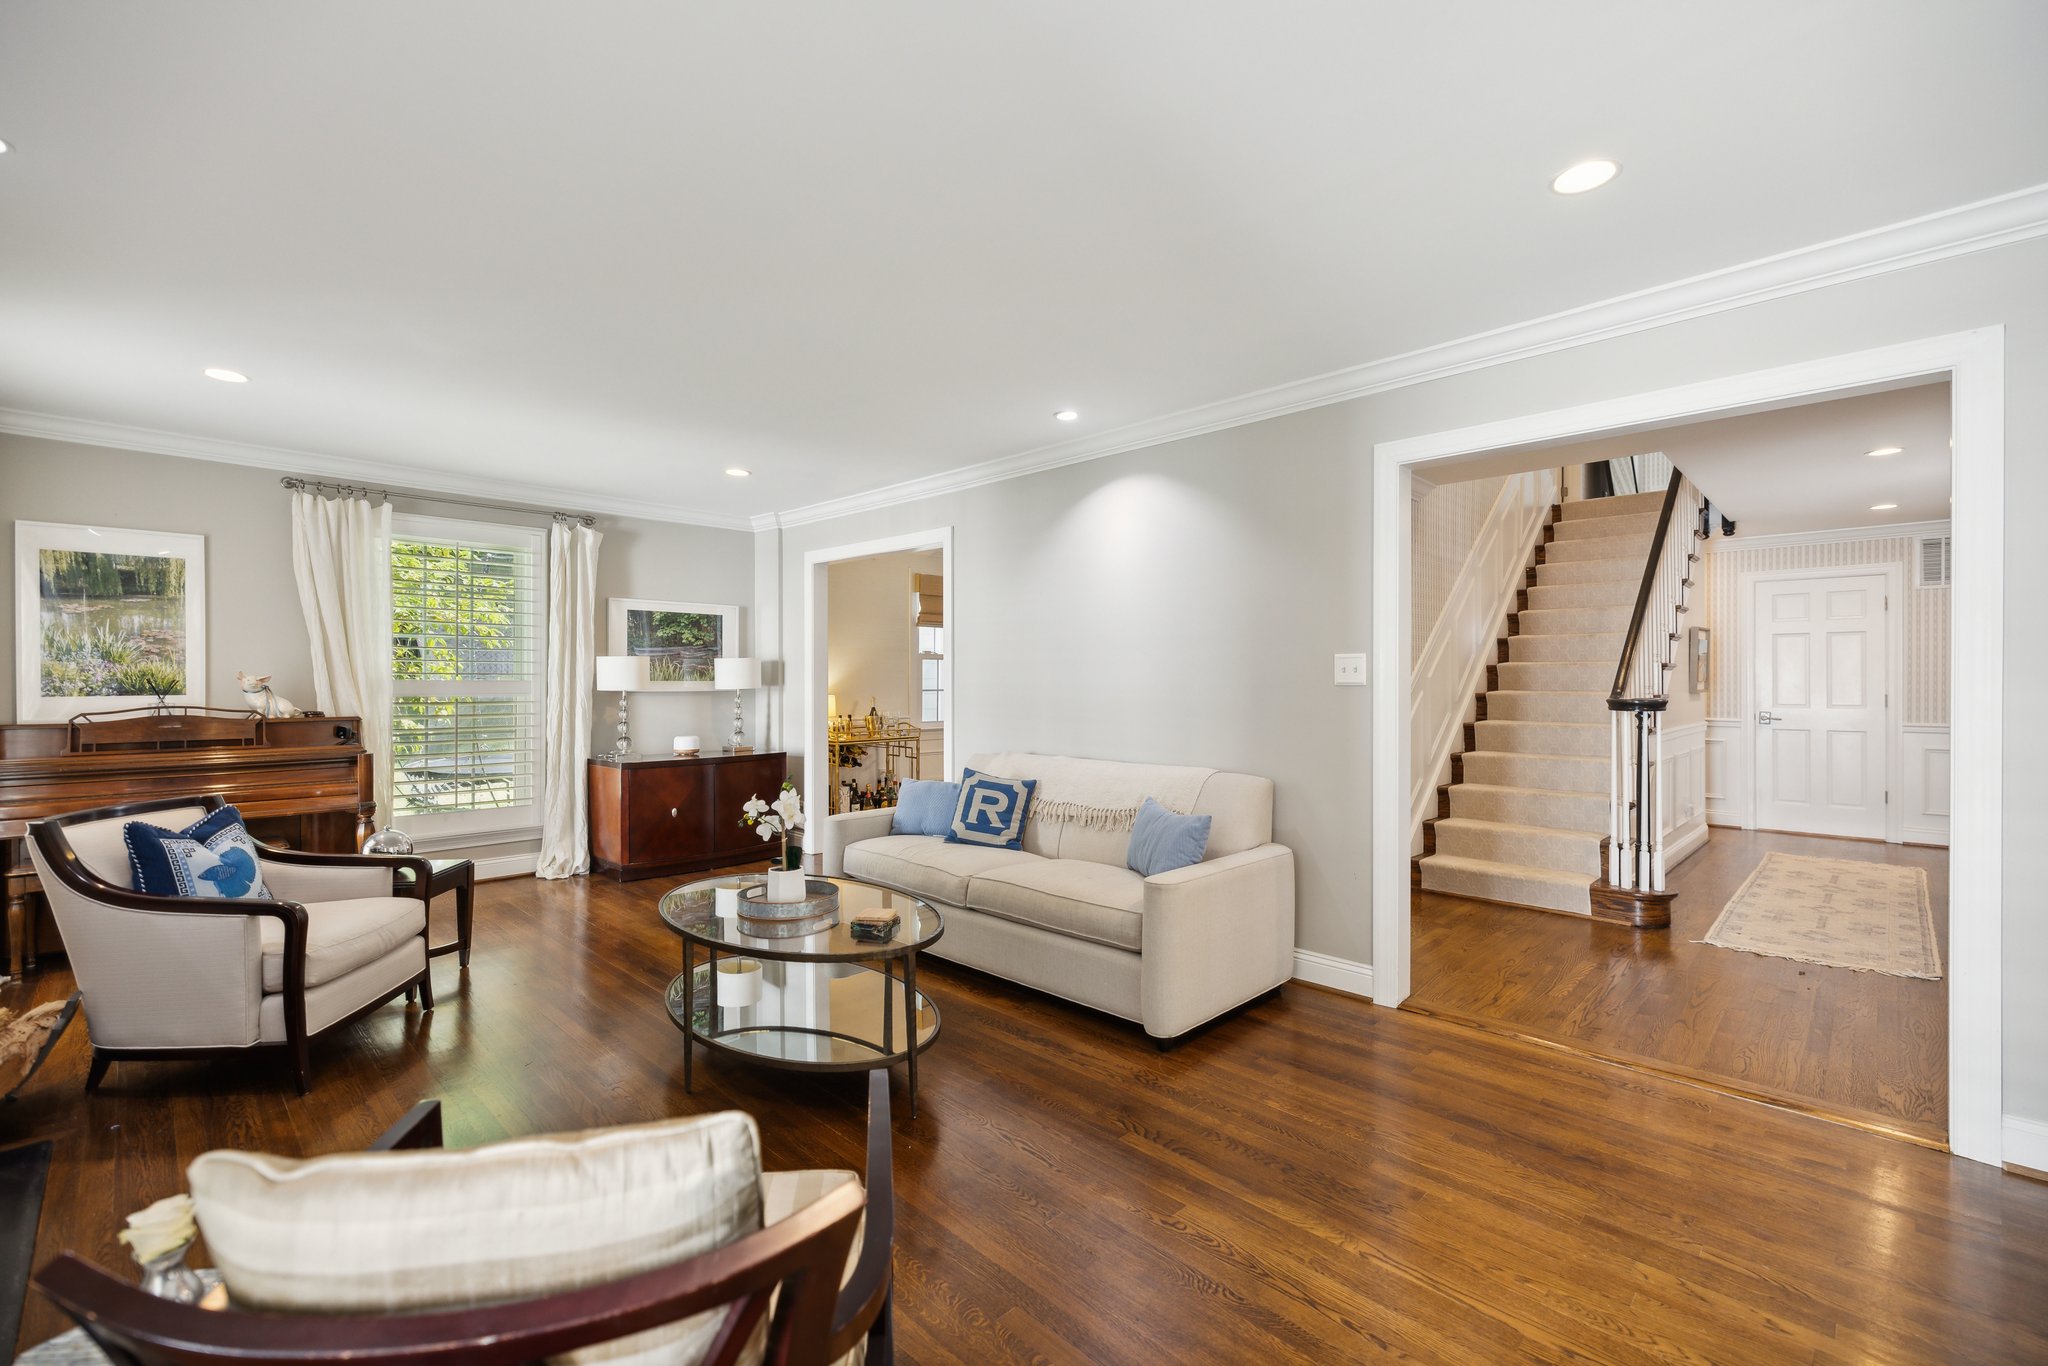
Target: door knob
[{"x": 1764, "y": 718}]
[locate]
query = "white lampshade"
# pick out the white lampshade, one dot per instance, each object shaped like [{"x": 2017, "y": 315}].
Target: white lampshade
[
  {"x": 735, "y": 675},
  {"x": 621, "y": 673}
]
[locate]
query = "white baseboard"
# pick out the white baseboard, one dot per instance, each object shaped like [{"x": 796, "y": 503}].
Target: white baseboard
[
  {"x": 511, "y": 865},
  {"x": 1682, "y": 843},
  {"x": 1338, "y": 974},
  {"x": 2026, "y": 1143}
]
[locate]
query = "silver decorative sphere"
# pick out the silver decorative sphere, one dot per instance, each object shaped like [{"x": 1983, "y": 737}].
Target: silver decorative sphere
[{"x": 388, "y": 842}]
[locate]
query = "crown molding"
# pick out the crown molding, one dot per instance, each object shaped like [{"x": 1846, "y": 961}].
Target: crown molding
[
  {"x": 400, "y": 478},
  {"x": 1980, "y": 226},
  {"x": 1777, "y": 540}
]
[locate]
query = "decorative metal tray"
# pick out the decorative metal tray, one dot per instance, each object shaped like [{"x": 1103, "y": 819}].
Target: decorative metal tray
[{"x": 765, "y": 919}]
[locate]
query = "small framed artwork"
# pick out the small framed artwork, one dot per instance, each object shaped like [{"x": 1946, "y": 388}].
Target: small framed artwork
[
  {"x": 680, "y": 639},
  {"x": 1700, "y": 658},
  {"x": 106, "y": 618}
]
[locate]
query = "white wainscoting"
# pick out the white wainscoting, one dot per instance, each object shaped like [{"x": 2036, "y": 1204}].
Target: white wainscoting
[
  {"x": 1727, "y": 774},
  {"x": 1682, "y": 790},
  {"x": 1452, "y": 666},
  {"x": 1926, "y": 785}
]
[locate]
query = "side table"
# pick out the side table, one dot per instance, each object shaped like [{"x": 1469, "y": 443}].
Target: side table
[{"x": 457, "y": 875}]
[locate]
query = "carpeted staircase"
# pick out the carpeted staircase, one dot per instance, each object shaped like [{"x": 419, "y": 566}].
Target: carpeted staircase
[{"x": 1526, "y": 809}]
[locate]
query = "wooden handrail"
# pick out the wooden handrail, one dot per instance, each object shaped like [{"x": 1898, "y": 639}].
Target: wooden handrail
[{"x": 1616, "y": 694}]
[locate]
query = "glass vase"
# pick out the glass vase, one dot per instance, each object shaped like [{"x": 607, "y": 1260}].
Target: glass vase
[{"x": 167, "y": 1277}]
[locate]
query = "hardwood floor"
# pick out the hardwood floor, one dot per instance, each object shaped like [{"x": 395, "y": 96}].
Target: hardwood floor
[
  {"x": 1863, "y": 1046},
  {"x": 1315, "y": 1180}
]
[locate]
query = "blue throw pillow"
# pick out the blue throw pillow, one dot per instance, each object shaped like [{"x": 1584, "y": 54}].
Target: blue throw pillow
[
  {"x": 991, "y": 810},
  {"x": 213, "y": 857},
  {"x": 925, "y": 809},
  {"x": 1163, "y": 840}
]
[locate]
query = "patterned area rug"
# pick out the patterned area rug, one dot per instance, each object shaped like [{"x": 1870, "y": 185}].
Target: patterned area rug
[{"x": 1873, "y": 917}]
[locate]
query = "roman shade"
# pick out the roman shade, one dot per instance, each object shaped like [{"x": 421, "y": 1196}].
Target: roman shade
[{"x": 929, "y": 589}]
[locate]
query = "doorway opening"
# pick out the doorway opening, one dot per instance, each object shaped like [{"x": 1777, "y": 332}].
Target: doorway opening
[{"x": 1823, "y": 599}]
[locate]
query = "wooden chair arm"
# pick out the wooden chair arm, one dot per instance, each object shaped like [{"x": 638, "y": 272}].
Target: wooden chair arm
[
  {"x": 419, "y": 1128},
  {"x": 865, "y": 1296},
  {"x": 801, "y": 1254}
]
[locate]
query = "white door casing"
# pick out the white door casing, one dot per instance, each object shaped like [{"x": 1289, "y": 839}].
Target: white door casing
[{"x": 1821, "y": 682}]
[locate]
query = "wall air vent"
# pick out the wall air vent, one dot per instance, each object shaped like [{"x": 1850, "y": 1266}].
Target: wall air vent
[{"x": 1936, "y": 562}]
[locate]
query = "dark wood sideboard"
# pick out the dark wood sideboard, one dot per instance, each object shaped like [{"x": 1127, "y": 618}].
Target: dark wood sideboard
[
  {"x": 661, "y": 815},
  {"x": 302, "y": 781}
]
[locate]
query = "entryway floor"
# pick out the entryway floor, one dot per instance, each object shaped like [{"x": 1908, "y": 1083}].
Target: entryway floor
[{"x": 1863, "y": 1047}]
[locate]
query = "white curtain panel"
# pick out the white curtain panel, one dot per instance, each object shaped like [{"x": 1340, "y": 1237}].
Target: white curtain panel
[
  {"x": 341, "y": 557},
  {"x": 572, "y": 676}
]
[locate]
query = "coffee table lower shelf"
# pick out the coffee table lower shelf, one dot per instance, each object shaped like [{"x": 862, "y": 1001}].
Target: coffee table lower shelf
[{"x": 810, "y": 1017}]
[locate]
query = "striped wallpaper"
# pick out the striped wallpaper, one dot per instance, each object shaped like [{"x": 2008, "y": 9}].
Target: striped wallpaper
[{"x": 1925, "y": 617}]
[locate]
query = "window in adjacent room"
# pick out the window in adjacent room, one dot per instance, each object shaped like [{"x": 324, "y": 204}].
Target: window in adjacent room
[
  {"x": 466, "y": 658},
  {"x": 928, "y": 664}
]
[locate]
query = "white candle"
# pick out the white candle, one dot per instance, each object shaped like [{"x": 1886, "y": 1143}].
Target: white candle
[
  {"x": 686, "y": 743},
  {"x": 726, "y": 901}
]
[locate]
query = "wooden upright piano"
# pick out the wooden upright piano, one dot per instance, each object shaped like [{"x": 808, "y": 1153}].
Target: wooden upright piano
[{"x": 302, "y": 781}]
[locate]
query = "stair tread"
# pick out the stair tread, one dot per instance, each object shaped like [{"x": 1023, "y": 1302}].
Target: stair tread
[
  {"x": 1560, "y": 725},
  {"x": 1489, "y": 868},
  {"x": 1509, "y": 789}
]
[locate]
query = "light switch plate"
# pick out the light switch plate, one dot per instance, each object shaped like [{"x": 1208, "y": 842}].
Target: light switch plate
[{"x": 1351, "y": 671}]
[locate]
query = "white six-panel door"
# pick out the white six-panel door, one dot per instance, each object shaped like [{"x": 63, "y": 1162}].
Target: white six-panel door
[{"x": 1821, "y": 691}]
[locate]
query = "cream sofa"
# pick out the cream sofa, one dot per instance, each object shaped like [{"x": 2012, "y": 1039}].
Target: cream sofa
[{"x": 1064, "y": 914}]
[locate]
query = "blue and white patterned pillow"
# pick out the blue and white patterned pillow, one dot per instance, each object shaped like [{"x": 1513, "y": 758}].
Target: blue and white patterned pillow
[
  {"x": 213, "y": 857},
  {"x": 991, "y": 810}
]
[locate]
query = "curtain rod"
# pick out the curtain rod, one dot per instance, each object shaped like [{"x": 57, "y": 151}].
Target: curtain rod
[{"x": 298, "y": 485}]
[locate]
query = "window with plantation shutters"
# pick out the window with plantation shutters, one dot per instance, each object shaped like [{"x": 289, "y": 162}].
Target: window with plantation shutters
[{"x": 467, "y": 651}]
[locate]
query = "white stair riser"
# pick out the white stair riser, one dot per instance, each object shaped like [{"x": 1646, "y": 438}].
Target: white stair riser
[
  {"x": 1554, "y": 648},
  {"x": 1590, "y": 676},
  {"x": 1582, "y": 708},
  {"x": 1560, "y": 621},
  {"x": 1580, "y": 741},
  {"x": 1555, "y": 773},
  {"x": 1543, "y": 597},
  {"x": 1635, "y": 548},
  {"x": 1505, "y": 886},
  {"x": 1559, "y": 810},
  {"x": 1592, "y": 528},
  {"x": 1559, "y": 851},
  {"x": 1622, "y": 505}
]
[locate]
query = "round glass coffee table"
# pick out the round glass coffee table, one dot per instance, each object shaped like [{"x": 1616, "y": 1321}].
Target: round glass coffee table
[{"x": 822, "y": 1002}]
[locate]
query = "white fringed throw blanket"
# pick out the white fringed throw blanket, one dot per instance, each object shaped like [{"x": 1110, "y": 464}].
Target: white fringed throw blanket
[{"x": 1097, "y": 793}]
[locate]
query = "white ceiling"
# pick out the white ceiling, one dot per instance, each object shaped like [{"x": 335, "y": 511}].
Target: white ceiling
[
  {"x": 1806, "y": 467},
  {"x": 613, "y": 248}
]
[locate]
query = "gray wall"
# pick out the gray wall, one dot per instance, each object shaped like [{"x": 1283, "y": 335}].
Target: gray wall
[
  {"x": 252, "y": 603},
  {"x": 1181, "y": 603}
]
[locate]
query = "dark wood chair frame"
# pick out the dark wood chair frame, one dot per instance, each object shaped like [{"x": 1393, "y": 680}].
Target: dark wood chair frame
[
  {"x": 66, "y": 866},
  {"x": 803, "y": 1257}
]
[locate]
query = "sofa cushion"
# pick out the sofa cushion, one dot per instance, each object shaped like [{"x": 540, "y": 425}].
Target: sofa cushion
[
  {"x": 1163, "y": 840},
  {"x": 400, "y": 1231},
  {"x": 1067, "y": 896},
  {"x": 928, "y": 867},
  {"x": 925, "y": 808},
  {"x": 992, "y": 810},
  {"x": 342, "y": 936},
  {"x": 212, "y": 857}
]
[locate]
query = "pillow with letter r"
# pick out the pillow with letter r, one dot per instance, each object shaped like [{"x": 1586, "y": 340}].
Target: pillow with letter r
[
  {"x": 211, "y": 857},
  {"x": 991, "y": 810}
]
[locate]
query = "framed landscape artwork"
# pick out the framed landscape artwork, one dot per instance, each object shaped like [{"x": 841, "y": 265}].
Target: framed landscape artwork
[
  {"x": 105, "y": 619},
  {"x": 679, "y": 639}
]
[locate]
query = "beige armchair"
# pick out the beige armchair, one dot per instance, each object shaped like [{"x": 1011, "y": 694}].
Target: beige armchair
[{"x": 182, "y": 977}]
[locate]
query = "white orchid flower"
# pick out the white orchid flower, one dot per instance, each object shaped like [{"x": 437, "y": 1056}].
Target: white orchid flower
[
  {"x": 790, "y": 808},
  {"x": 755, "y": 807}
]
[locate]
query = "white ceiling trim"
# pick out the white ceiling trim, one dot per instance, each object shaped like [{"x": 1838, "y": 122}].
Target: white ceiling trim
[
  {"x": 400, "y": 478},
  {"x": 1739, "y": 542},
  {"x": 1980, "y": 226}
]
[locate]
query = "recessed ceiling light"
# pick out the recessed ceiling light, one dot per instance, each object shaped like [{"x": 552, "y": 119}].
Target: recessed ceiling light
[
  {"x": 1886, "y": 450},
  {"x": 738, "y": 473},
  {"x": 6, "y": 147},
  {"x": 1067, "y": 415},
  {"x": 1882, "y": 507},
  {"x": 1587, "y": 175},
  {"x": 226, "y": 376}
]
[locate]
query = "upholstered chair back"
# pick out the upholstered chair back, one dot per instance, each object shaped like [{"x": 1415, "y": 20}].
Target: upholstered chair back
[
  {"x": 152, "y": 980},
  {"x": 1239, "y": 805}
]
